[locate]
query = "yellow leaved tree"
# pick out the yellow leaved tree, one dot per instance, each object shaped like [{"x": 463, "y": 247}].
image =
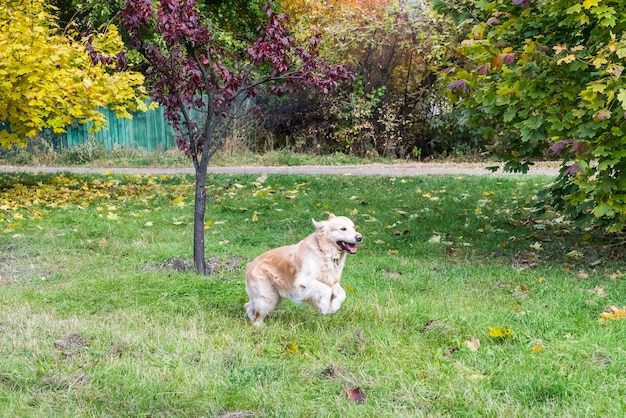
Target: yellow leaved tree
[{"x": 48, "y": 79}]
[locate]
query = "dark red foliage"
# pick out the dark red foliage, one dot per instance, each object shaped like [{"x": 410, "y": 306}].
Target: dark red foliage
[
  {"x": 525, "y": 4},
  {"x": 483, "y": 69},
  {"x": 187, "y": 74},
  {"x": 506, "y": 58},
  {"x": 560, "y": 145},
  {"x": 356, "y": 395},
  {"x": 458, "y": 86},
  {"x": 187, "y": 71},
  {"x": 98, "y": 58},
  {"x": 572, "y": 170}
]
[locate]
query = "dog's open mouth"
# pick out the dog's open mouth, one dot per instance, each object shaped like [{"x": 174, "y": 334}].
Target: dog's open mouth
[{"x": 347, "y": 247}]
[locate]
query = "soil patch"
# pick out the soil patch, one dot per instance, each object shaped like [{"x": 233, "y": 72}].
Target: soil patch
[{"x": 215, "y": 264}]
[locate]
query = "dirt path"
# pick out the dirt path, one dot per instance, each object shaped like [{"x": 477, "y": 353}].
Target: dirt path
[{"x": 396, "y": 170}]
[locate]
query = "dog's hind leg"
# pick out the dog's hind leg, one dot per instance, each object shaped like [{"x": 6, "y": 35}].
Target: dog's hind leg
[{"x": 260, "y": 307}]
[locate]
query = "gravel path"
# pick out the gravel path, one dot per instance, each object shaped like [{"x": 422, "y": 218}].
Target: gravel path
[{"x": 396, "y": 170}]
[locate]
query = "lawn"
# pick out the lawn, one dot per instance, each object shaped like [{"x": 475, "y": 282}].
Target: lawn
[{"x": 462, "y": 301}]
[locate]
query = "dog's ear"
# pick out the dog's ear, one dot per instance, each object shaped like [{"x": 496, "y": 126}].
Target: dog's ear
[
  {"x": 318, "y": 225},
  {"x": 331, "y": 215}
]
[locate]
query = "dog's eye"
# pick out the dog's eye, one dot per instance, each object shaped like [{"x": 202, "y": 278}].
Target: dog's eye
[{"x": 344, "y": 229}]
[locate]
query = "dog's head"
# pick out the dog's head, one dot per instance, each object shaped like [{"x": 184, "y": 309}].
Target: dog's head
[{"x": 340, "y": 231}]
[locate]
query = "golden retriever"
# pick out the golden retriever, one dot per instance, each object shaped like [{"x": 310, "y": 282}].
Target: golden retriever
[{"x": 307, "y": 272}]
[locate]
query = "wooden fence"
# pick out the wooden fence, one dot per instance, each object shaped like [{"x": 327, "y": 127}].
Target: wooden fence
[{"x": 148, "y": 130}]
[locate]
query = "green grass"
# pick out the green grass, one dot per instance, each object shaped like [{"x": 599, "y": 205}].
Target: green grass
[
  {"x": 95, "y": 322},
  {"x": 94, "y": 154}
]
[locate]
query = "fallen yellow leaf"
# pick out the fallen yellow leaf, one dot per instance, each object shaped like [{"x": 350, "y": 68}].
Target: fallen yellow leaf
[
  {"x": 614, "y": 313},
  {"x": 501, "y": 332},
  {"x": 575, "y": 254},
  {"x": 291, "y": 348},
  {"x": 435, "y": 239}
]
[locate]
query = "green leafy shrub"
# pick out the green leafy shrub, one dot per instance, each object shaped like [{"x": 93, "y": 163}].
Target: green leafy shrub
[
  {"x": 535, "y": 77},
  {"x": 394, "y": 108}
]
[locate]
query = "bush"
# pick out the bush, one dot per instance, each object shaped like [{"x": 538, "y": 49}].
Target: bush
[
  {"x": 394, "y": 108},
  {"x": 539, "y": 76},
  {"x": 84, "y": 152},
  {"x": 38, "y": 151}
]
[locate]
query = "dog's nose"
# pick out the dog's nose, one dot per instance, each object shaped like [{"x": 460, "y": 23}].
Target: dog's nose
[{"x": 359, "y": 238}]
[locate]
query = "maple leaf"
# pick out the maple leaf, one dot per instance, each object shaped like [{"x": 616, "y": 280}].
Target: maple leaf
[
  {"x": 451, "y": 350},
  {"x": 575, "y": 255},
  {"x": 451, "y": 250},
  {"x": 614, "y": 313},
  {"x": 291, "y": 348},
  {"x": 356, "y": 395},
  {"x": 473, "y": 344},
  {"x": 600, "y": 291},
  {"x": 435, "y": 239},
  {"x": 501, "y": 332}
]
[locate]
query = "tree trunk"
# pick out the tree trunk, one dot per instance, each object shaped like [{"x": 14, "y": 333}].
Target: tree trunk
[{"x": 198, "y": 220}]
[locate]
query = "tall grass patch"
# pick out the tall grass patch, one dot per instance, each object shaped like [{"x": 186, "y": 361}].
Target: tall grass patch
[{"x": 101, "y": 313}]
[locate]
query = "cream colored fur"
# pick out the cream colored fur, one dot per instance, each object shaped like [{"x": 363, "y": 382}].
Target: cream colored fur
[{"x": 307, "y": 272}]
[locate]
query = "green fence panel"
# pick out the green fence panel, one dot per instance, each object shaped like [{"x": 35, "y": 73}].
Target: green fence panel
[{"x": 148, "y": 130}]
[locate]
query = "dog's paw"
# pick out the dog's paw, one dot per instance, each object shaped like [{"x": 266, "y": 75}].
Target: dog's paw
[
  {"x": 335, "y": 305},
  {"x": 326, "y": 309}
]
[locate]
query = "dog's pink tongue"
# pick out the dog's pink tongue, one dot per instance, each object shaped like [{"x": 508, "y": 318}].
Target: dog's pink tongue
[{"x": 351, "y": 247}]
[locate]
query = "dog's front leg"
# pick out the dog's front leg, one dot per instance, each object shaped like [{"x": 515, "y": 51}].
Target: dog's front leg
[
  {"x": 319, "y": 295},
  {"x": 337, "y": 298}
]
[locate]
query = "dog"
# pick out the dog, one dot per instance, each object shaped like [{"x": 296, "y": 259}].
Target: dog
[{"x": 307, "y": 272}]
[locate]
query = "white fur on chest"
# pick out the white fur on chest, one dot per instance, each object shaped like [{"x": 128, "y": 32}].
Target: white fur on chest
[{"x": 325, "y": 266}]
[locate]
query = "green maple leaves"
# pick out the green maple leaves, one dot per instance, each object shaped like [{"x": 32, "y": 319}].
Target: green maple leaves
[{"x": 562, "y": 81}]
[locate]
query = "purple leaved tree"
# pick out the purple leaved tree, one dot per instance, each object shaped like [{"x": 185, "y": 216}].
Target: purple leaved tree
[{"x": 188, "y": 75}]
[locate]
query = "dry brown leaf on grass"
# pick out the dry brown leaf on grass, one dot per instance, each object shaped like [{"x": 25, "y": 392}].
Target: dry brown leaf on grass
[
  {"x": 473, "y": 344},
  {"x": 356, "y": 395},
  {"x": 599, "y": 291},
  {"x": 451, "y": 350}
]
